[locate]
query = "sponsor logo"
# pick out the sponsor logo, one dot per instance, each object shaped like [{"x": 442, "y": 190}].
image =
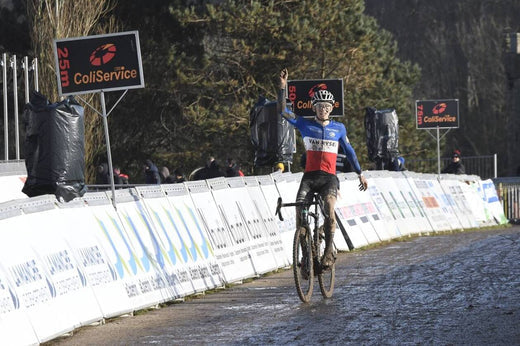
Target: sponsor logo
[
  {"x": 439, "y": 108},
  {"x": 314, "y": 144},
  {"x": 103, "y": 54}
]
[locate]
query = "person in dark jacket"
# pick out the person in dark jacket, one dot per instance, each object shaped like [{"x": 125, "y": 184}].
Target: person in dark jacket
[
  {"x": 211, "y": 170},
  {"x": 232, "y": 168},
  {"x": 151, "y": 173},
  {"x": 455, "y": 166},
  {"x": 179, "y": 175},
  {"x": 166, "y": 177},
  {"x": 102, "y": 174}
]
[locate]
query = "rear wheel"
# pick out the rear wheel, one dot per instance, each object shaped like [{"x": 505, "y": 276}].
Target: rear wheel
[
  {"x": 303, "y": 268},
  {"x": 326, "y": 277}
]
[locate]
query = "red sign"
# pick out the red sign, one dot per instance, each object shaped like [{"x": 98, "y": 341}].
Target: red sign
[
  {"x": 98, "y": 63},
  {"x": 440, "y": 113}
]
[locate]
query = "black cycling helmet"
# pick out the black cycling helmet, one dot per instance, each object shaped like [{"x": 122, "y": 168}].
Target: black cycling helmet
[{"x": 323, "y": 96}]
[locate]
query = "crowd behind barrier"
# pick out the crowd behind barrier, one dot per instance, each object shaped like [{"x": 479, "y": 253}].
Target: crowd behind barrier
[{"x": 66, "y": 265}]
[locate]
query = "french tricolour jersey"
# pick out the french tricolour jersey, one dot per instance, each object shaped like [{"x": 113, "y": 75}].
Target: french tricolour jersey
[{"x": 321, "y": 144}]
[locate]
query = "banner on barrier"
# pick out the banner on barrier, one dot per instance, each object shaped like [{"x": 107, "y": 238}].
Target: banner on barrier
[
  {"x": 197, "y": 252},
  {"x": 235, "y": 264},
  {"x": 353, "y": 216},
  {"x": 492, "y": 201},
  {"x": 93, "y": 260},
  {"x": 241, "y": 216},
  {"x": 267, "y": 217},
  {"x": 15, "y": 325}
]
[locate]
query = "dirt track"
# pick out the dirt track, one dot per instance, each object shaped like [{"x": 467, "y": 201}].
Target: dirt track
[{"x": 457, "y": 288}]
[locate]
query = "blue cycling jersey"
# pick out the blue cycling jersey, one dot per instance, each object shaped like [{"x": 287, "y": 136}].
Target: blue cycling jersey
[{"x": 322, "y": 143}]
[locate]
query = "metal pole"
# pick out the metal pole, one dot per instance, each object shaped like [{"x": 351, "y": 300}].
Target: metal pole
[
  {"x": 495, "y": 160},
  {"x": 438, "y": 153},
  {"x": 6, "y": 127},
  {"x": 15, "y": 100},
  {"x": 35, "y": 73},
  {"x": 109, "y": 154},
  {"x": 25, "y": 67}
]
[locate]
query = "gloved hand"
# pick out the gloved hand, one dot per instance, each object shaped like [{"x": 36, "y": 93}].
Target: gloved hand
[
  {"x": 284, "y": 74},
  {"x": 363, "y": 185}
]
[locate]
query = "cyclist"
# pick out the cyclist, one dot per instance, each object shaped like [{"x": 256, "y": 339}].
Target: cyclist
[{"x": 321, "y": 137}]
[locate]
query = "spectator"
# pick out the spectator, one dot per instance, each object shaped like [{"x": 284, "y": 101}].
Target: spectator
[
  {"x": 397, "y": 164},
  {"x": 279, "y": 167},
  {"x": 179, "y": 176},
  {"x": 232, "y": 168},
  {"x": 119, "y": 178},
  {"x": 166, "y": 177},
  {"x": 102, "y": 174},
  {"x": 211, "y": 170},
  {"x": 455, "y": 166},
  {"x": 151, "y": 173}
]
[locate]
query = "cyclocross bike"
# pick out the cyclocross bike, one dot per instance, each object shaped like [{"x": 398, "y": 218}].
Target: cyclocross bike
[{"x": 305, "y": 242}]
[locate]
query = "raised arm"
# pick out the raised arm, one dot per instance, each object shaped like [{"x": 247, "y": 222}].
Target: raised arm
[{"x": 281, "y": 105}]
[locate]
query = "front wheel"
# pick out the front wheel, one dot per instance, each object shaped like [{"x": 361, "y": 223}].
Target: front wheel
[
  {"x": 303, "y": 268},
  {"x": 326, "y": 277}
]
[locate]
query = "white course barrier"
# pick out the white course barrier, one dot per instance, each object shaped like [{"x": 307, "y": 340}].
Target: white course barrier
[{"x": 66, "y": 265}]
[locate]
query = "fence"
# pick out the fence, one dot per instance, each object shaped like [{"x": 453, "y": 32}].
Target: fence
[
  {"x": 10, "y": 87},
  {"x": 508, "y": 191},
  {"x": 484, "y": 166}
]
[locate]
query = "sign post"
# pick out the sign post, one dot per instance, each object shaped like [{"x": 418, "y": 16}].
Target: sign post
[
  {"x": 437, "y": 114},
  {"x": 99, "y": 63}
]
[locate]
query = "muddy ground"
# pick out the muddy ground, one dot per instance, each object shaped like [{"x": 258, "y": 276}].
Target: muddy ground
[{"x": 451, "y": 289}]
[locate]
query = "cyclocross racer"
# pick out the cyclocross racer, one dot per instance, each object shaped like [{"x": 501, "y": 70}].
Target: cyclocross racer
[{"x": 321, "y": 137}]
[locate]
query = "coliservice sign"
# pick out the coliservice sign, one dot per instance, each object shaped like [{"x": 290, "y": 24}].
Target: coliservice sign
[
  {"x": 437, "y": 113},
  {"x": 300, "y": 93},
  {"x": 98, "y": 63}
]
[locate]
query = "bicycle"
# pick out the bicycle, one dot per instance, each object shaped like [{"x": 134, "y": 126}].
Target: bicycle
[{"x": 305, "y": 267}]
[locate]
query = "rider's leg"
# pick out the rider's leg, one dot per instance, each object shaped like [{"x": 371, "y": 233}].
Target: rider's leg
[{"x": 329, "y": 227}]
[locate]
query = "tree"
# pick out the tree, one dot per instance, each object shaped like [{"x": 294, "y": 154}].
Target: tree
[
  {"x": 222, "y": 56},
  {"x": 55, "y": 19},
  {"x": 459, "y": 47}
]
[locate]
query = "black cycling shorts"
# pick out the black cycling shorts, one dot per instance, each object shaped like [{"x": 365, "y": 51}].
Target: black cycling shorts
[{"x": 324, "y": 183}]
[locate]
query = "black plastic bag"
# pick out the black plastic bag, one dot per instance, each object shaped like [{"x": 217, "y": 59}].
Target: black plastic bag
[
  {"x": 382, "y": 131},
  {"x": 54, "y": 148},
  {"x": 272, "y": 136}
]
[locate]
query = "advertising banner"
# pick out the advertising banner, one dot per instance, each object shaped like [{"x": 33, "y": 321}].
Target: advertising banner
[
  {"x": 396, "y": 204},
  {"x": 129, "y": 255},
  {"x": 35, "y": 289},
  {"x": 353, "y": 216},
  {"x": 190, "y": 240},
  {"x": 267, "y": 217},
  {"x": 491, "y": 198},
  {"x": 383, "y": 210},
  {"x": 159, "y": 281},
  {"x": 425, "y": 187},
  {"x": 15, "y": 325},
  {"x": 93, "y": 260},
  {"x": 431, "y": 114},
  {"x": 175, "y": 243},
  {"x": 417, "y": 216},
  {"x": 237, "y": 206},
  {"x": 372, "y": 212},
  {"x": 98, "y": 63},
  {"x": 234, "y": 264},
  {"x": 300, "y": 93},
  {"x": 461, "y": 205}
]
